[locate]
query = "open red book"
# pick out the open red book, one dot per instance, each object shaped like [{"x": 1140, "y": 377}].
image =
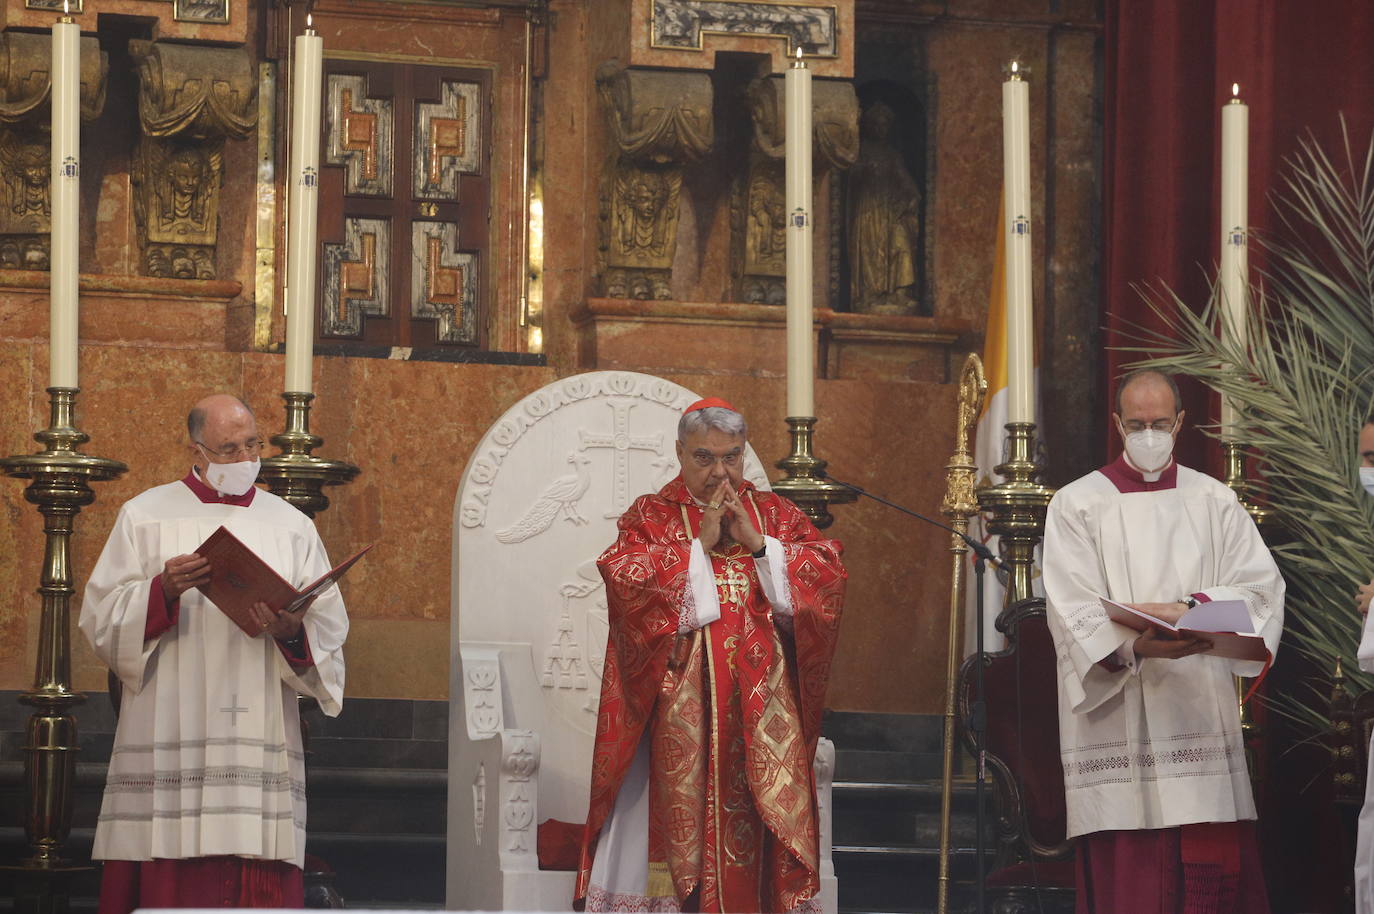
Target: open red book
[
  {"x": 239, "y": 578},
  {"x": 1225, "y": 623}
]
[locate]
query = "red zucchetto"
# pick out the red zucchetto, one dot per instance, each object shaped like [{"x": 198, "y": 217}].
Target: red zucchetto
[{"x": 707, "y": 404}]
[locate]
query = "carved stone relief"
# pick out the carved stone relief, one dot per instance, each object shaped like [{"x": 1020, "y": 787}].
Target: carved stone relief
[
  {"x": 621, "y": 442},
  {"x": 25, "y": 141},
  {"x": 883, "y": 220},
  {"x": 443, "y": 281},
  {"x": 758, "y": 205},
  {"x": 360, "y": 131},
  {"x": 658, "y": 121},
  {"x": 448, "y": 140},
  {"x": 483, "y": 696},
  {"x": 191, "y": 100},
  {"x": 356, "y": 276},
  {"x": 479, "y": 802},
  {"x": 682, "y": 24},
  {"x": 518, "y": 766}
]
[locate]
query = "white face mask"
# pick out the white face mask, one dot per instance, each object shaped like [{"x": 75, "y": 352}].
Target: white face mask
[
  {"x": 1367, "y": 479},
  {"x": 1149, "y": 450},
  {"x": 232, "y": 478}
]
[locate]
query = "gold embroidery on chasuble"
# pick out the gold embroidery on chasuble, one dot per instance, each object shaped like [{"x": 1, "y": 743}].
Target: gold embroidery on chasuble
[{"x": 732, "y": 820}]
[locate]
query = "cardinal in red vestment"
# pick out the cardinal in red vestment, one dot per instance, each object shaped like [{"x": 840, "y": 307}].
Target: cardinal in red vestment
[{"x": 724, "y": 606}]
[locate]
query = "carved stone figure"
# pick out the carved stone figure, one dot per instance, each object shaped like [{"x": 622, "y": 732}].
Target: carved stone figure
[
  {"x": 758, "y": 206},
  {"x": 25, "y": 147},
  {"x": 191, "y": 99},
  {"x": 24, "y": 170},
  {"x": 884, "y": 222},
  {"x": 644, "y": 224},
  {"x": 657, "y": 121}
]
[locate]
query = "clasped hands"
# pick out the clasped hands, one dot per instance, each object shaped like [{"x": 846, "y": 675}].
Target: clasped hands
[
  {"x": 1155, "y": 643},
  {"x": 184, "y": 572},
  {"x": 728, "y": 521}
]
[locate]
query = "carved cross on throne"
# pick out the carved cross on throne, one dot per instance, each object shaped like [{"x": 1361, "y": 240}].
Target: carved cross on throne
[{"x": 622, "y": 442}]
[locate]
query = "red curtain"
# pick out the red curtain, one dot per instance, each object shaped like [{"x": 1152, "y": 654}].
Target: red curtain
[
  {"x": 1169, "y": 66},
  {"x": 1168, "y": 69}
]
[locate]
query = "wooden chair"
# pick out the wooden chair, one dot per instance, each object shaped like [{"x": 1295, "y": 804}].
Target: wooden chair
[{"x": 1033, "y": 871}]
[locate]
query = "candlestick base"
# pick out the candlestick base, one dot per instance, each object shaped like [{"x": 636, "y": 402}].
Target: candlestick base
[
  {"x": 59, "y": 484},
  {"x": 1017, "y": 506},
  {"x": 1236, "y": 480},
  {"x": 295, "y": 475},
  {"x": 804, "y": 483}
]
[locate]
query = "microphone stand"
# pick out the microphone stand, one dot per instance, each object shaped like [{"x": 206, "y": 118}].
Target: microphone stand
[{"x": 978, "y": 710}]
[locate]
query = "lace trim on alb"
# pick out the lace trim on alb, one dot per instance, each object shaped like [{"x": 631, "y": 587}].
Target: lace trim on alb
[{"x": 1191, "y": 754}]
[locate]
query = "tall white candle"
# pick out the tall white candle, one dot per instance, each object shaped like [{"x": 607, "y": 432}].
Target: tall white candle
[
  {"x": 1234, "y": 274},
  {"x": 66, "y": 202},
  {"x": 801, "y": 355},
  {"x": 303, "y": 209},
  {"x": 1017, "y": 226}
]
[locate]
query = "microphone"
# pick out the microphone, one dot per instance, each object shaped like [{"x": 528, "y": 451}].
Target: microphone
[{"x": 979, "y": 549}]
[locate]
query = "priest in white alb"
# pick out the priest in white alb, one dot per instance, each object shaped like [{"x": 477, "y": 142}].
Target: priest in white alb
[
  {"x": 204, "y": 804},
  {"x": 1155, "y": 777}
]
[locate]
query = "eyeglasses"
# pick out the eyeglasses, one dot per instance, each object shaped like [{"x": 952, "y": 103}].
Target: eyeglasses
[
  {"x": 706, "y": 459},
  {"x": 1159, "y": 425},
  {"x": 250, "y": 448}
]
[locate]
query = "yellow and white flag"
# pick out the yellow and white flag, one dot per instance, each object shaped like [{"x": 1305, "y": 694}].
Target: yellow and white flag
[{"x": 990, "y": 450}]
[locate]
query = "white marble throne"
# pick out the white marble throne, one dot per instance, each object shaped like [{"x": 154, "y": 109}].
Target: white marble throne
[{"x": 538, "y": 502}]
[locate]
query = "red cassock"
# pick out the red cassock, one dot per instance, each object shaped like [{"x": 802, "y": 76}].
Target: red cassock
[{"x": 732, "y": 710}]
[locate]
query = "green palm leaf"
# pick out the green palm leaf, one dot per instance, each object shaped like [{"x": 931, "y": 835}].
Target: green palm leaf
[{"x": 1306, "y": 389}]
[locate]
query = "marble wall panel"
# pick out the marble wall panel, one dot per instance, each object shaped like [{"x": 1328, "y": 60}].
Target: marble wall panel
[
  {"x": 1074, "y": 402},
  {"x": 17, "y": 598},
  {"x": 17, "y": 13},
  {"x": 134, "y": 313},
  {"x": 571, "y": 140},
  {"x": 966, "y": 172},
  {"x": 395, "y": 658},
  {"x": 645, "y": 51}
]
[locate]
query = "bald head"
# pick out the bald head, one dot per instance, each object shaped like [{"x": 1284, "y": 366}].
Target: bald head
[
  {"x": 217, "y": 408},
  {"x": 1148, "y": 381},
  {"x": 222, "y": 430}
]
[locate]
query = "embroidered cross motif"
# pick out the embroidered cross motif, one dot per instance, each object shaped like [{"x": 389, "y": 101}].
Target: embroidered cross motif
[
  {"x": 234, "y": 710},
  {"x": 733, "y": 583}
]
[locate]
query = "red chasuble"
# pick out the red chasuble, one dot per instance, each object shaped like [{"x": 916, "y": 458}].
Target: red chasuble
[{"x": 732, "y": 710}]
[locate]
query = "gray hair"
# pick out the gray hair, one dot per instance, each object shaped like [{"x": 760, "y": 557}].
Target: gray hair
[
  {"x": 195, "y": 420},
  {"x": 716, "y": 417}
]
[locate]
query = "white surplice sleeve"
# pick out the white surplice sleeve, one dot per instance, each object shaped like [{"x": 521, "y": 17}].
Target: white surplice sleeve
[
  {"x": 1083, "y": 634},
  {"x": 701, "y": 603},
  {"x": 114, "y": 608},
  {"x": 1248, "y": 573},
  {"x": 1366, "y": 656},
  {"x": 326, "y": 627},
  {"x": 772, "y": 572}
]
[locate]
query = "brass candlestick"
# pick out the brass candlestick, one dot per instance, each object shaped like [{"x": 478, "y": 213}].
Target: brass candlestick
[
  {"x": 59, "y": 484},
  {"x": 1235, "y": 478},
  {"x": 1267, "y": 521},
  {"x": 960, "y": 503},
  {"x": 295, "y": 474},
  {"x": 805, "y": 483},
  {"x": 1017, "y": 506}
]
